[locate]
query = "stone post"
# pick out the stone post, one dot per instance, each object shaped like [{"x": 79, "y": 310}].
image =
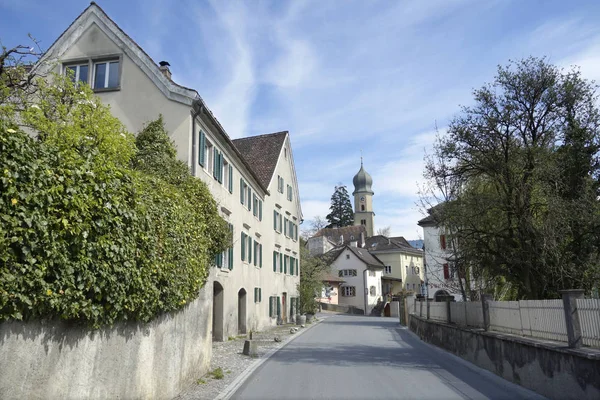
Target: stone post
[
  {"x": 569, "y": 298},
  {"x": 485, "y": 307},
  {"x": 428, "y": 300},
  {"x": 448, "y": 300}
]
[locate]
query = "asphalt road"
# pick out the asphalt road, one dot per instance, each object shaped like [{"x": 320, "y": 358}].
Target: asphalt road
[{"x": 350, "y": 357}]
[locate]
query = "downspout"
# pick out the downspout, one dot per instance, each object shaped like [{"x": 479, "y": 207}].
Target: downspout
[
  {"x": 195, "y": 104},
  {"x": 365, "y": 290}
]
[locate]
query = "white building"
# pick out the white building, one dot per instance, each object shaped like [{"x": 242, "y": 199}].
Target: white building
[
  {"x": 440, "y": 275},
  {"x": 361, "y": 273},
  {"x": 253, "y": 179}
]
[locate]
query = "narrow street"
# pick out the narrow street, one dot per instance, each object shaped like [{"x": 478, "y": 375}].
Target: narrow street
[{"x": 355, "y": 357}]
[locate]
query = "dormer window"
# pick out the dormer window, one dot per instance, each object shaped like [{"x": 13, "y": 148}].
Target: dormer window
[{"x": 106, "y": 74}]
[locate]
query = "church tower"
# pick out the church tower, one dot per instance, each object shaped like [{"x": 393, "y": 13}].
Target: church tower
[{"x": 363, "y": 200}]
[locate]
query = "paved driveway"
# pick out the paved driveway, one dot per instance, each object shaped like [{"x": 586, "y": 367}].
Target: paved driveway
[{"x": 351, "y": 357}]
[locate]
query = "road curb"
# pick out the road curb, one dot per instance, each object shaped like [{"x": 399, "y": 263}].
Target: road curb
[{"x": 241, "y": 378}]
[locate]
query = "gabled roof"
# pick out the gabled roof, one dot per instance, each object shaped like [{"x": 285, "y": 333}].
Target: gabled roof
[
  {"x": 262, "y": 153},
  {"x": 335, "y": 234},
  {"x": 173, "y": 91},
  {"x": 432, "y": 218},
  {"x": 362, "y": 254},
  {"x": 382, "y": 243}
]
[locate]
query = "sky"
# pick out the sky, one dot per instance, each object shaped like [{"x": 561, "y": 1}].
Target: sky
[{"x": 344, "y": 77}]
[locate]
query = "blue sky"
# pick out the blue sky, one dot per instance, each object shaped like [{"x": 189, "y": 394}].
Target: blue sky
[{"x": 341, "y": 76}]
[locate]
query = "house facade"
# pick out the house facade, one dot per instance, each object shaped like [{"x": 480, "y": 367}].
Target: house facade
[
  {"x": 361, "y": 273},
  {"x": 253, "y": 284},
  {"x": 440, "y": 275},
  {"x": 403, "y": 264}
]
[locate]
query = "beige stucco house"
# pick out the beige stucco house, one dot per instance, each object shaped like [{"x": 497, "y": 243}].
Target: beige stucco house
[
  {"x": 403, "y": 264},
  {"x": 253, "y": 179}
]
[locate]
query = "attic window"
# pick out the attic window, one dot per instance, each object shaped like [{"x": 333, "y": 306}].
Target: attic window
[
  {"x": 347, "y": 256},
  {"x": 107, "y": 74},
  {"x": 285, "y": 152},
  {"x": 77, "y": 73}
]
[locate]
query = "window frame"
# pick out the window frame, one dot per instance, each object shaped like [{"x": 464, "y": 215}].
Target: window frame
[
  {"x": 106, "y": 59},
  {"x": 78, "y": 64}
]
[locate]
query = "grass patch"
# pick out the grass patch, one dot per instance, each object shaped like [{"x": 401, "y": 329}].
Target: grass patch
[
  {"x": 200, "y": 381},
  {"x": 228, "y": 371},
  {"x": 217, "y": 373},
  {"x": 230, "y": 338}
]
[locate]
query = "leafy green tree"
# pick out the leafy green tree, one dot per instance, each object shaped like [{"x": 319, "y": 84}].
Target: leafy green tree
[
  {"x": 312, "y": 272},
  {"x": 341, "y": 213},
  {"x": 518, "y": 173},
  {"x": 84, "y": 236}
]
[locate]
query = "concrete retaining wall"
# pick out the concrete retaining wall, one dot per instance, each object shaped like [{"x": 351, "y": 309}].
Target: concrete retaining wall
[
  {"x": 342, "y": 309},
  {"x": 55, "y": 360},
  {"x": 547, "y": 368}
]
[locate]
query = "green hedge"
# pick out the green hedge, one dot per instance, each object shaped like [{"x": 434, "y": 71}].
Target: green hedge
[{"x": 86, "y": 237}]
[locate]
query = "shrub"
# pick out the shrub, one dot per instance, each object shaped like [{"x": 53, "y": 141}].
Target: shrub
[{"x": 83, "y": 235}]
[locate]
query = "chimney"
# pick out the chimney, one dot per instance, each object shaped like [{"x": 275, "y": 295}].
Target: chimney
[
  {"x": 164, "y": 68},
  {"x": 362, "y": 239}
]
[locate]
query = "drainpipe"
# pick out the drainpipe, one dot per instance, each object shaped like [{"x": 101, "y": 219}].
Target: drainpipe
[
  {"x": 365, "y": 289},
  {"x": 196, "y": 104}
]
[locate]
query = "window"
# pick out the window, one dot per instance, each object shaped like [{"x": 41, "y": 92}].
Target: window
[
  {"x": 285, "y": 152},
  {"x": 289, "y": 192},
  {"x": 245, "y": 194},
  {"x": 347, "y": 256},
  {"x": 279, "y": 184},
  {"x": 277, "y": 221},
  {"x": 363, "y": 222},
  {"x": 347, "y": 272},
  {"x": 362, "y": 207},
  {"x": 209, "y": 156},
  {"x": 443, "y": 242},
  {"x": 257, "y": 254},
  {"x": 388, "y": 269},
  {"x": 372, "y": 273},
  {"x": 348, "y": 291},
  {"x": 276, "y": 266},
  {"x": 225, "y": 259},
  {"x": 78, "y": 73},
  {"x": 407, "y": 286},
  {"x": 257, "y": 295},
  {"x": 257, "y": 207},
  {"x": 373, "y": 291},
  {"x": 446, "y": 272},
  {"x": 106, "y": 75},
  {"x": 226, "y": 175},
  {"x": 246, "y": 249}
]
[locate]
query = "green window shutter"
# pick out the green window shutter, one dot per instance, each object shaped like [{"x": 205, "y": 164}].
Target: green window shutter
[
  {"x": 255, "y": 256},
  {"x": 280, "y": 220},
  {"x": 242, "y": 191},
  {"x": 243, "y": 246},
  {"x": 260, "y": 210},
  {"x": 274, "y": 261},
  {"x": 270, "y": 306},
  {"x": 278, "y": 306},
  {"x": 230, "y": 179},
  {"x": 293, "y": 267},
  {"x": 280, "y": 262},
  {"x": 260, "y": 249},
  {"x": 215, "y": 161},
  {"x": 285, "y": 226},
  {"x": 220, "y": 168},
  {"x": 249, "y": 198},
  {"x": 249, "y": 250},
  {"x": 230, "y": 266},
  {"x": 201, "y": 145},
  {"x": 255, "y": 294},
  {"x": 274, "y": 219},
  {"x": 260, "y": 295},
  {"x": 285, "y": 264}
]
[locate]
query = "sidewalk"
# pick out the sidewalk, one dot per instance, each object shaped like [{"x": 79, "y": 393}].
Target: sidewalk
[{"x": 229, "y": 358}]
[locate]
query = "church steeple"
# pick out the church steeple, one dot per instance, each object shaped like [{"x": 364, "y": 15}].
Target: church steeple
[{"x": 363, "y": 199}]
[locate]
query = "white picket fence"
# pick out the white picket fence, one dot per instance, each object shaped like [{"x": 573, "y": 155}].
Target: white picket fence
[
  {"x": 589, "y": 318},
  {"x": 543, "y": 319}
]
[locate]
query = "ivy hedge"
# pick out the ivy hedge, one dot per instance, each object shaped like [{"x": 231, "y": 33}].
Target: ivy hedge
[{"x": 90, "y": 231}]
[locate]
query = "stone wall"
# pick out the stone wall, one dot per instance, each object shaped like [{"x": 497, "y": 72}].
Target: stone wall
[
  {"x": 342, "y": 308},
  {"x": 56, "y": 360},
  {"x": 546, "y": 367}
]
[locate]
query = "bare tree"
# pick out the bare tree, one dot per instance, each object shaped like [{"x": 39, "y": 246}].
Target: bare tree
[
  {"x": 314, "y": 226},
  {"x": 387, "y": 231}
]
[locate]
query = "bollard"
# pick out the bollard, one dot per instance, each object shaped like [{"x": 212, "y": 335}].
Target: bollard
[
  {"x": 569, "y": 298},
  {"x": 428, "y": 300}
]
